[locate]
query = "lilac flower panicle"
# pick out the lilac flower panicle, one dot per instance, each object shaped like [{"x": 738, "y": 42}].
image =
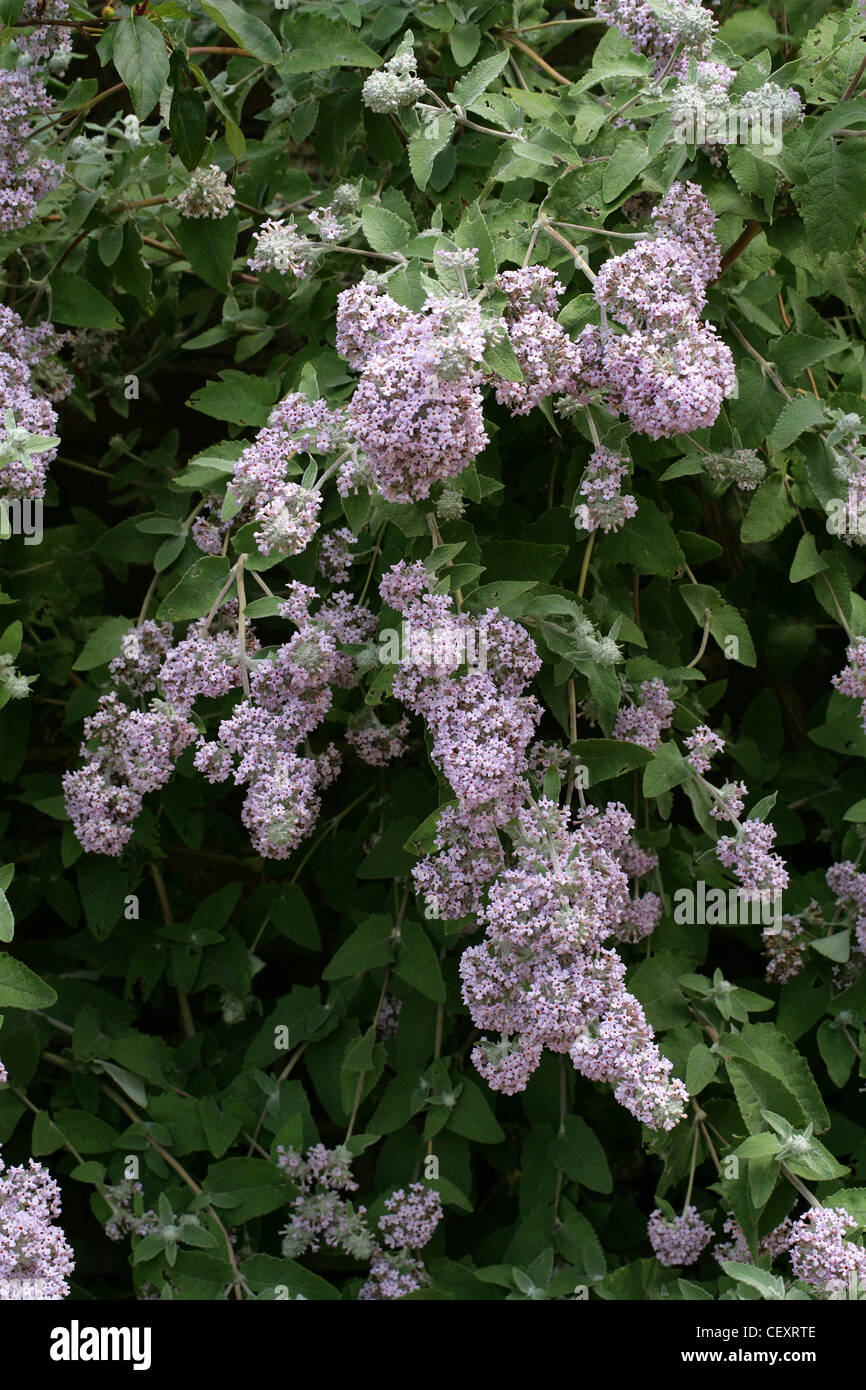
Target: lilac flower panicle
[
  {"x": 35, "y": 1256},
  {"x": 820, "y": 1253},
  {"x": 748, "y": 855},
  {"x": 681, "y": 1241},
  {"x": 605, "y": 506},
  {"x": 851, "y": 680},
  {"x": 644, "y": 723},
  {"x": 703, "y": 745},
  {"x": 207, "y": 195}
]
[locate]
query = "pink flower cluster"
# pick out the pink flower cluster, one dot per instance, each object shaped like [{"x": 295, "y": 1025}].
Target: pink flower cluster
[
  {"x": 645, "y": 723},
  {"x": 408, "y": 1225},
  {"x": 35, "y": 1256},
  {"x": 703, "y": 745},
  {"x": 25, "y": 178},
  {"x": 127, "y": 753},
  {"x": 658, "y": 30},
  {"x": 376, "y": 743},
  {"x": 849, "y": 888},
  {"x": 29, "y": 373},
  {"x": 542, "y": 977},
  {"x": 729, "y": 801},
  {"x": 748, "y": 855},
  {"x": 605, "y": 506},
  {"x": 820, "y": 1254},
  {"x": 851, "y": 680},
  {"x": 416, "y": 413},
  {"x": 335, "y": 555},
  {"x": 549, "y": 360},
  {"x": 737, "y": 1248},
  {"x": 124, "y": 1220},
  {"x": 286, "y": 512},
  {"x": 290, "y": 694},
  {"x": 481, "y": 722},
  {"x": 321, "y": 1216},
  {"x": 669, "y": 372},
  {"x": 680, "y": 1241}
]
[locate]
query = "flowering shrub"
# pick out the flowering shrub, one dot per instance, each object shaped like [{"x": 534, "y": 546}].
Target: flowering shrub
[{"x": 433, "y": 673}]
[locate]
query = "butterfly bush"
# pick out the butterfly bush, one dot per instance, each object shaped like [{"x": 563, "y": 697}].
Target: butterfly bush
[{"x": 459, "y": 887}]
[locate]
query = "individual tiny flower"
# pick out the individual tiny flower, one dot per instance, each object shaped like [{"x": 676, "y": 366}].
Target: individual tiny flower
[
  {"x": 680, "y": 1241},
  {"x": 208, "y": 194},
  {"x": 131, "y": 133}
]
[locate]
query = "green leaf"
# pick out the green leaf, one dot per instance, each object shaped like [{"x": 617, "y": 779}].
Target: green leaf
[
  {"x": 701, "y": 1067},
  {"x": 464, "y": 41},
  {"x": 646, "y": 543},
  {"x": 630, "y": 157},
  {"x": 796, "y": 351},
  {"x": 418, "y": 964},
  {"x": 472, "y": 1116},
  {"x": 798, "y": 415},
  {"x": 769, "y": 1286},
  {"x": 770, "y": 510},
  {"x": 667, "y": 769},
  {"x": 141, "y": 59},
  {"x": 238, "y": 397},
  {"x": 259, "y": 1187},
  {"x": 469, "y": 87},
  {"x": 369, "y": 945},
  {"x": 315, "y": 42},
  {"x": 194, "y": 595},
  {"x": 836, "y": 947},
  {"x": 605, "y": 758},
  {"x": 103, "y": 645},
  {"x": 209, "y": 245},
  {"x": 832, "y": 177},
  {"x": 76, "y": 302},
  {"x": 384, "y": 230},
  {"x": 581, "y": 1156},
  {"x": 424, "y": 148},
  {"x": 806, "y": 561},
  {"x": 727, "y": 626},
  {"x": 7, "y": 918},
  {"x": 187, "y": 123},
  {"x": 500, "y": 358},
  {"x": 21, "y": 989},
  {"x": 247, "y": 31}
]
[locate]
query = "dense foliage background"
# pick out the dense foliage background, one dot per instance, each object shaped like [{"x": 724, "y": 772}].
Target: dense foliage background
[{"x": 192, "y": 1010}]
